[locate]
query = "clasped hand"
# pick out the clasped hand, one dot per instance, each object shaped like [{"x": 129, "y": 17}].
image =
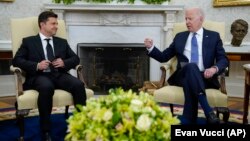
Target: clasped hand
[
  {"x": 208, "y": 73},
  {"x": 57, "y": 63}
]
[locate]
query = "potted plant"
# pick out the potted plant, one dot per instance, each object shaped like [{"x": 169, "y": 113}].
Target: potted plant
[{"x": 121, "y": 116}]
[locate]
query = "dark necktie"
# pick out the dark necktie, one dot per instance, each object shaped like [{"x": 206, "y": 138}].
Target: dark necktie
[
  {"x": 194, "y": 50},
  {"x": 50, "y": 54}
]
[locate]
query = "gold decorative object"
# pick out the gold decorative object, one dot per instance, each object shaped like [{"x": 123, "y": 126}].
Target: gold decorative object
[
  {"x": 7, "y": 0},
  {"x": 224, "y": 3}
]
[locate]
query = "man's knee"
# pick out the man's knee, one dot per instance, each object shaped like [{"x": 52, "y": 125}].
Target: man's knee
[
  {"x": 191, "y": 68},
  {"x": 46, "y": 87},
  {"x": 77, "y": 84}
]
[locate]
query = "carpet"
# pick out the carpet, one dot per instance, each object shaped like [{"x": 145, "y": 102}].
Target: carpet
[
  {"x": 235, "y": 116},
  {"x": 9, "y": 130}
]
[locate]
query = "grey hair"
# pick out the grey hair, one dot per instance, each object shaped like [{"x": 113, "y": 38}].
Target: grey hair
[{"x": 200, "y": 11}]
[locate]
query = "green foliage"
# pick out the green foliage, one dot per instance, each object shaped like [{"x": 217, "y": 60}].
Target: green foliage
[
  {"x": 121, "y": 116},
  {"x": 64, "y": 1},
  {"x": 109, "y": 1}
]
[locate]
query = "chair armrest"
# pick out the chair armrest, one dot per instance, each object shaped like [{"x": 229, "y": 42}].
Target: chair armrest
[
  {"x": 79, "y": 70},
  {"x": 166, "y": 66},
  {"x": 19, "y": 83},
  {"x": 223, "y": 82},
  {"x": 163, "y": 76},
  {"x": 246, "y": 67}
]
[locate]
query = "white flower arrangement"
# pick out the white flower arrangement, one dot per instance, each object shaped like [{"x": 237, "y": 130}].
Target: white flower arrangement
[{"x": 121, "y": 116}]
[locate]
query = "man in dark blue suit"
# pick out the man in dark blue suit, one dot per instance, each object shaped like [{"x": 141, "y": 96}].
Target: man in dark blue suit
[
  {"x": 201, "y": 58},
  {"x": 46, "y": 59}
]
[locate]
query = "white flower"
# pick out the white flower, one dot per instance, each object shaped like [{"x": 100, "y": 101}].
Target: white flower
[
  {"x": 149, "y": 110},
  {"x": 136, "y": 102},
  {"x": 136, "y": 105},
  {"x": 107, "y": 115},
  {"x": 143, "y": 123}
]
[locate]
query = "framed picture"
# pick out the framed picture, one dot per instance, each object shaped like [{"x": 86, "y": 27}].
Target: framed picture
[{"x": 223, "y": 3}]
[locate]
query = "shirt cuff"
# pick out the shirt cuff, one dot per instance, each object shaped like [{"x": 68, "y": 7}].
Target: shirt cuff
[
  {"x": 150, "y": 49},
  {"x": 217, "y": 69}
]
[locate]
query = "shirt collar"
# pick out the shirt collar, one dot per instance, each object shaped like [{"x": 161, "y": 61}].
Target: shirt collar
[
  {"x": 43, "y": 37},
  {"x": 200, "y": 32}
]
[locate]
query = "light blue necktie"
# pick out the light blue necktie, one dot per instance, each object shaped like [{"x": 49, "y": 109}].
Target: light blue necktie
[{"x": 194, "y": 50}]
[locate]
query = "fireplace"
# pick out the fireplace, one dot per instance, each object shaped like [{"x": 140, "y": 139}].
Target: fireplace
[
  {"x": 119, "y": 24},
  {"x": 111, "y": 65}
]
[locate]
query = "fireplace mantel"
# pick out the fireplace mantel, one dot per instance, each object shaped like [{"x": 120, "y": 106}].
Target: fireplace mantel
[
  {"x": 122, "y": 24},
  {"x": 118, "y": 7},
  {"x": 169, "y": 13}
]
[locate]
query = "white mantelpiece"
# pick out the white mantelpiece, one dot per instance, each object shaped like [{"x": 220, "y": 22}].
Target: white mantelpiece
[
  {"x": 111, "y": 7},
  {"x": 102, "y": 23}
]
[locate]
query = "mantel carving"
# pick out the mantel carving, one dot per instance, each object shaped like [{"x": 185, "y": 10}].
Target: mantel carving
[{"x": 114, "y": 19}]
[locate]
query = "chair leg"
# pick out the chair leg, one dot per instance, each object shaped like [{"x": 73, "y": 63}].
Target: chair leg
[
  {"x": 66, "y": 112},
  {"x": 171, "y": 108},
  {"x": 20, "y": 121},
  {"x": 224, "y": 111}
]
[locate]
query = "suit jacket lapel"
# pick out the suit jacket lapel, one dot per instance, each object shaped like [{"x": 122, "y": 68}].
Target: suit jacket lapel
[
  {"x": 55, "y": 42},
  {"x": 205, "y": 44},
  {"x": 39, "y": 46},
  {"x": 185, "y": 37}
]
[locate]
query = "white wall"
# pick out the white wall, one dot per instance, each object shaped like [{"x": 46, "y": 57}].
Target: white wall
[
  {"x": 24, "y": 8},
  {"x": 224, "y": 14}
]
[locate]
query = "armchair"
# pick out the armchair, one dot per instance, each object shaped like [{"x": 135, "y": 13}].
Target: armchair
[
  {"x": 174, "y": 94},
  {"x": 27, "y": 99}
]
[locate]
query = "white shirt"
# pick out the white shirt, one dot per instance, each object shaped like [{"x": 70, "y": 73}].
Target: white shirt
[
  {"x": 187, "y": 49},
  {"x": 44, "y": 43}
]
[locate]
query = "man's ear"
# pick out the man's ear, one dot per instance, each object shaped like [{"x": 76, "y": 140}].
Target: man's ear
[
  {"x": 202, "y": 19},
  {"x": 42, "y": 24}
]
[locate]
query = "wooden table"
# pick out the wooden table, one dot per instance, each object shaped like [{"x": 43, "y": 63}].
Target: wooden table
[
  {"x": 242, "y": 54},
  {"x": 5, "y": 55}
]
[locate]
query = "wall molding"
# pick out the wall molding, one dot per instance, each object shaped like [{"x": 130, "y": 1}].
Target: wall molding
[{"x": 5, "y": 45}]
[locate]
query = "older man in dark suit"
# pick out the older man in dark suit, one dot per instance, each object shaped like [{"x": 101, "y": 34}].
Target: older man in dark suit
[
  {"x": 46, "y": 59},
  {"x": 201, "y": 58}
]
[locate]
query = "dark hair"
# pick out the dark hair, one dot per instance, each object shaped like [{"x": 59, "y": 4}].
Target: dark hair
[
  {"x": 241, "y": 22},
  {"x": 43, "y": 17}
]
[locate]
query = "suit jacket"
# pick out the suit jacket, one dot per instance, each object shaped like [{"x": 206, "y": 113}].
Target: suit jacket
[
  {"x": 213, "y": 53},
  {"x": 31, "y": 53}
]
